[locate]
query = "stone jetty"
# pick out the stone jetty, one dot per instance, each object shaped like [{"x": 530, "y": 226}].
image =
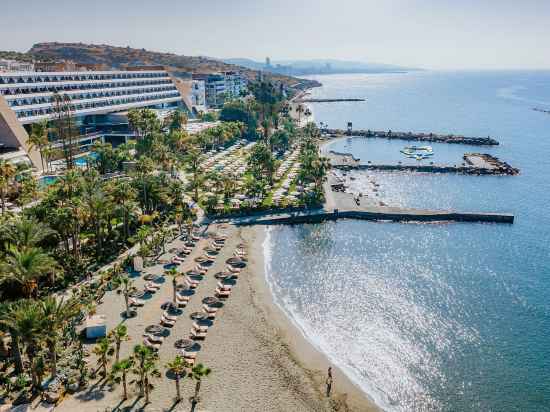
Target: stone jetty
[
  {"x": 414, "y": 136},
  {"x": 328, "y": 100},
  {"x": 474, "y": 164}
]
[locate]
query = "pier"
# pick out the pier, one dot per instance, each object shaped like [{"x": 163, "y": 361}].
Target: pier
[
  {"x": 474, "y": 164},
  {"x": 414, "y": 136},
  {"x": 328, "y": 100},
  {"x": 392, "y": 214}
]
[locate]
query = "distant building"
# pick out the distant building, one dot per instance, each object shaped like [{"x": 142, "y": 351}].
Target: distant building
[
  {"x": 198, "y": 95},
  {"x": 219, "y": 86},
  {"x": 98, "y": 100},
  {"x": 267, "y": 62},
  {"x": 15, "y": 66}
]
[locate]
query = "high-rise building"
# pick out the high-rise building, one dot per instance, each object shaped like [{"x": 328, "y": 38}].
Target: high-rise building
[
  {"x": 98, "y": 101},
  {"x": 267, "y": 62}
]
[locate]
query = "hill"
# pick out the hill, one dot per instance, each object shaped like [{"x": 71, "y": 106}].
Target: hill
[{"x": 116, "y": 57}]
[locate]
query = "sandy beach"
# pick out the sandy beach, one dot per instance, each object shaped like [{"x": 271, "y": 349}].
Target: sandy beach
[{"x": 259, "y": 360}]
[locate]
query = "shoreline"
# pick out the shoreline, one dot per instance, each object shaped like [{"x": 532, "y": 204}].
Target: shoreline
[{"x": 346, "y": 394}]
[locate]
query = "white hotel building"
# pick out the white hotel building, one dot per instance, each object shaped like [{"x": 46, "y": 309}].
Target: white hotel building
[{"x": 99, "y": 101}]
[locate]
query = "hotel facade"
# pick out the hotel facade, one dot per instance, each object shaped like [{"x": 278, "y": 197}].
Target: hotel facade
[{"x": 98, "y": 102}]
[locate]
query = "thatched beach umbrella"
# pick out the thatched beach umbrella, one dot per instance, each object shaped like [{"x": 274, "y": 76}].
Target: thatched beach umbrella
[
  {"x": 236, "y": 262},
  {"x": 185, "y": 344},
  {"x": 137, "y": 294},
  {"x": 223, "y": 275},
  {"x": 193, "y": 272},
  {"x": 155, "y": 330},
  {"x": 211, "y": 301},
  {"x": 150, "y": 276},
  {"x": 210, "y": 251},
  {"x": 199, "y": 316}
]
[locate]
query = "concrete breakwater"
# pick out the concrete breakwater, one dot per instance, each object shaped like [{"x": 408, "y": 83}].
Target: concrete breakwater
[
  {"x": 328, "y": 100},
  {"x": 475, "y": 164},
  {"x": 419, "y": 137},
  {"x": 381, "y": 214}
]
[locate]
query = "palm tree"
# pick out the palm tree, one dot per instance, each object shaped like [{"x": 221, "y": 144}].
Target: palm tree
[
  {"x": 56, "y": 314},
  {"x": 145, "y": 368},
  {"x": 27, "y": 232},
  {"x": 104, "y": 351},
  {"x": 124, "y": 196},
  {"x": 119, "y": 372},
  {"x": 300, "y": 109},
  {"x": 24, "y": 320},
  {"x": 124, "y": 282},
  {"x": 192, "y": 161},
  {"x": 38, "y": 138},
  {"x": 117, "y": 336},
  {"x": 7, "y": 173},
  {"x": 26, "y": 266},
  {"x": 178, "y": 366},
  {"x": 8, "y": 321},
  {"x": 197, "y": 373},
  {"x": 174, "y": 274}
]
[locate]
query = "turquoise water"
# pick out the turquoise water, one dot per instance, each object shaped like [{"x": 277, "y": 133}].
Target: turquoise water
[
  {"x": 46, "y": 181},
  {"x": 82, "y": 161},
  {"x": 433, "y": 317}
]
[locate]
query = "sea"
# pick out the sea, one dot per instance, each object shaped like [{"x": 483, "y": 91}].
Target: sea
[{"x": 432, "y": 317}]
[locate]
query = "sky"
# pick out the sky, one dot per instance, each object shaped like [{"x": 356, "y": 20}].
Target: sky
[{"x": 436, "y": 34}]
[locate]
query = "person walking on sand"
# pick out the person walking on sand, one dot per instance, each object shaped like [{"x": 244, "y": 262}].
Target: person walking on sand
[{"x": 329, "y": 381}]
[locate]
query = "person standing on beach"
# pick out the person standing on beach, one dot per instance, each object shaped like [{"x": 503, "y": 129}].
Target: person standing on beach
[{"x": 329, "y": 381}]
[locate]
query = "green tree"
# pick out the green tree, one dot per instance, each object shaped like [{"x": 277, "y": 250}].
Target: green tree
[
  {"x": 38, "y": 138},
  {"x": 119, "y": 373},
  {"x": 26, "y": 266},
  {"x": 56, "y": 314},
  {"x": 178, "y": 367},
  {"x": 145, "y": 368},
  {"x": 174, "y": 274},
  {"x": 103, "y": 350},
  {"x": 117, "y": 336},
  {"x": 198, "y": 373},
  {"x": 261, "y": 162},
  {"x": 126, "y": 284},
  {"x": 7, "y": 173},
  {"x": 193, "y": 163}
]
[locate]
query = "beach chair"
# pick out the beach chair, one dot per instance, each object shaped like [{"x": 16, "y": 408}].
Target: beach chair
[
  {"x": 210, "y": 311},
  {"x": 136, "y": 302},
  {"x": 152, "y": 285},
  {"x": 150, "y": 289},
  {"x": 196, "y": 334},
  {"x": 169, "y": 317},
  {"x": 201, "y": 269},
  {"x": 151, "y": 345},
  {"x": 222, "y": 294},
  {"x": 167, "y": 322}
]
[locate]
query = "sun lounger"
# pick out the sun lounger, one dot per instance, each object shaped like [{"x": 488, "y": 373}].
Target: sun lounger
[
  {"x": 151, "y": 345},
  {"x": 201, "y": 269},
  {"x": 167, "y": 322},
  {"x": 202, "y": 328},
  {"x": 152, "y": 285},
  {"x": 197, "y": 335},
  {"x": 169, "y": 317},
  {"x": 224, "y": 286},
  {"x": 222, "y": 294},
  {"x": 157, "y": 340},
  {"x": 178, "y": 259},
  {"x": 150, "y": 289},
  {"x": 136, "y": 302},
  {"x": 233, "y": 270}
]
